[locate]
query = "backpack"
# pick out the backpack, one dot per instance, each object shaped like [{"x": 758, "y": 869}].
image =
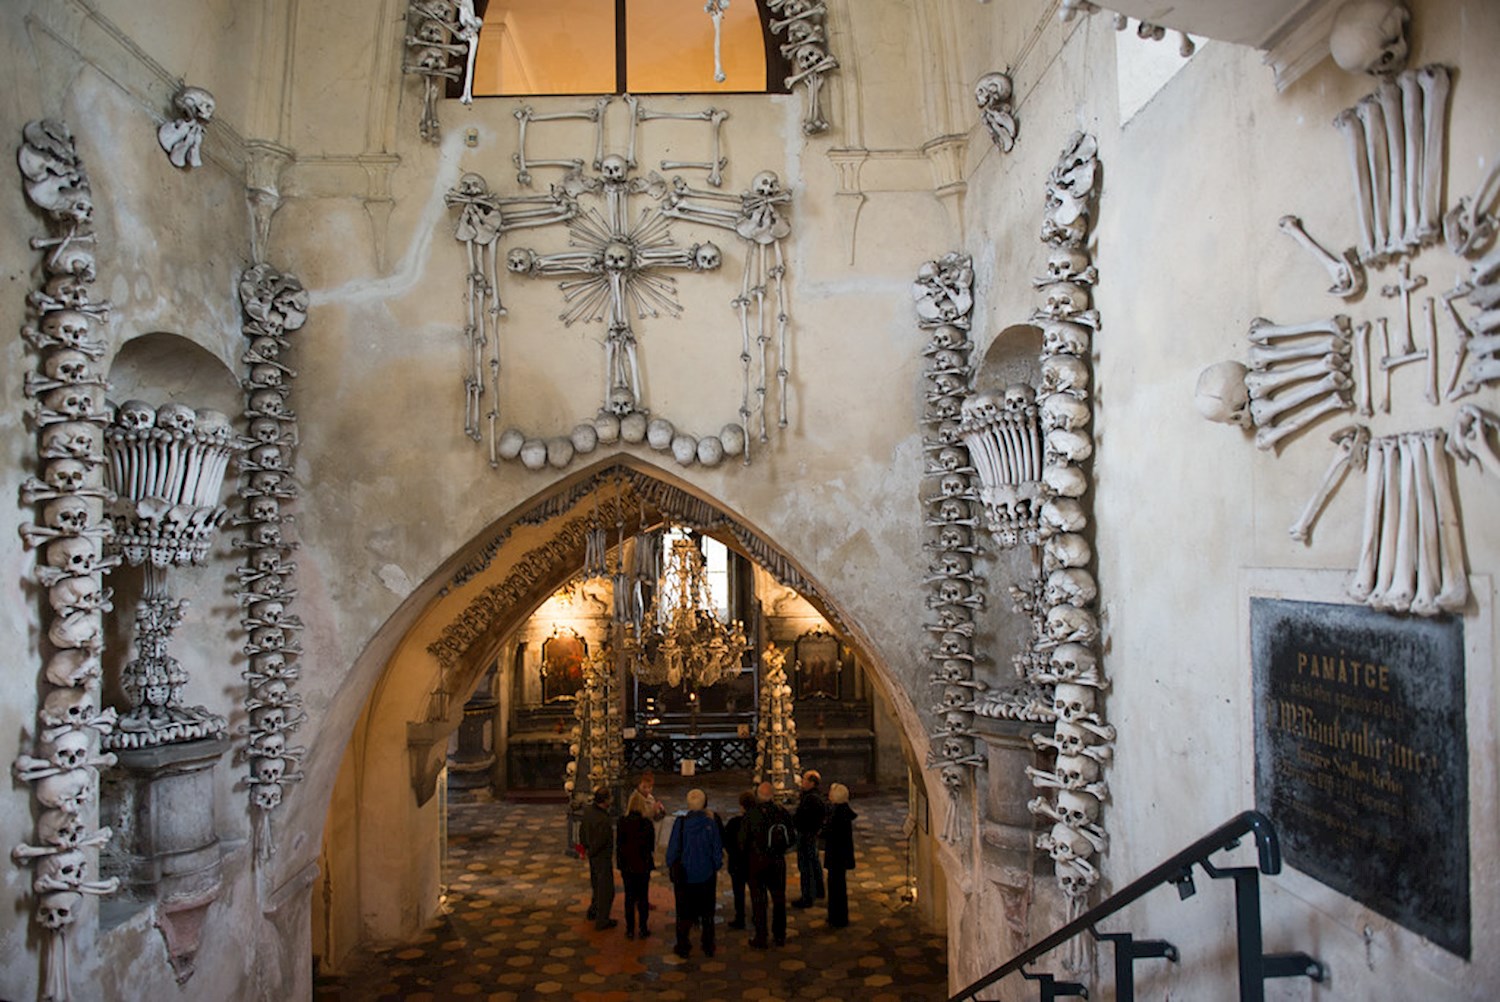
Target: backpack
[{"x": 779, "y": 838}]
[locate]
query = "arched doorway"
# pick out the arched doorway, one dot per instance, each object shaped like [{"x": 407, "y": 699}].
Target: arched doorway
[{"x": 384, "y": 832}]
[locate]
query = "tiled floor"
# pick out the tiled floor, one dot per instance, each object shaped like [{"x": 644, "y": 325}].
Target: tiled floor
[{"x": 515, "y": 929}]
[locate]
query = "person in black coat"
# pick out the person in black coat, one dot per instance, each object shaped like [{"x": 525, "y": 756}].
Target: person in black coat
[
  {"x": 597, "y": 831},
  {"x": 765, "y": 866},
  {"x": 738, "y": 863},
  {"x": 838, "y": 856},
  {"x": 635, "y": 852}
]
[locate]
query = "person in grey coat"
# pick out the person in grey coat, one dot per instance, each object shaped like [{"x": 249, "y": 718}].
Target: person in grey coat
[{"x": 597, "y": 832}]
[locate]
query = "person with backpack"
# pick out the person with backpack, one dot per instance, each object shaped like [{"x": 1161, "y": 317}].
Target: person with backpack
[
  {"x": 767, "y": 835},
  {"x": 808, "y": 821},
  {"x": 839, "y": 853},
  {"x": 695, "y": 852},
  {"x": 736, "y": 861}
]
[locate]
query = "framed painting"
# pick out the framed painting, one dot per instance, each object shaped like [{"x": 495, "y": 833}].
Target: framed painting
[
  {"x": 819, "y": 663},
  {"x": 562, "y": 667}
]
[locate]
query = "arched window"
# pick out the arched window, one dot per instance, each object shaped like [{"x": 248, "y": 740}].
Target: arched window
[{"x": 540, "y": 47}]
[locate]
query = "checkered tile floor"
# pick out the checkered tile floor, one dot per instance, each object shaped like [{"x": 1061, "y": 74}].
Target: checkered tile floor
[{"x": 514, "y": 925}]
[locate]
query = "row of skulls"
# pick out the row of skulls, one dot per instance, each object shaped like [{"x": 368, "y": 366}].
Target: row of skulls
[
  {"x": 1061, "y": 601},
  {"x": 275, "y": 307},
  {"x": 944, "y": 301},
  {"x": 70, "y": 413}
]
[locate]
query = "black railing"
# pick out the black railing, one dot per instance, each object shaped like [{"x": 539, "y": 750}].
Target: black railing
[{"x": 1255, "y": 966}]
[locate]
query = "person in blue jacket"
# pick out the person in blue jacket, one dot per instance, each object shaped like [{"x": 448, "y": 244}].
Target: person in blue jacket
[{"x": 695, "y": 852}]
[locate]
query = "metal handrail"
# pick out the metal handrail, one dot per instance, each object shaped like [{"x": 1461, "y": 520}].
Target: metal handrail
[{"x": 1177, "y": 870}]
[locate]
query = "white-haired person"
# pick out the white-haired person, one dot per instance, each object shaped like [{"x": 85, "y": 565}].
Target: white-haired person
[
  {"x": 695, "y": 852},
  {"x": 838, "y": 854}
]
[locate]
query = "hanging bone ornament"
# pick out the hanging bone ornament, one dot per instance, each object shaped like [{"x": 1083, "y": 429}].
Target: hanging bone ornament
[
  {"x": 182, "y": 137},
  {"x": 1345, "y": 272},
  {"x": 1352, "y": 449},
  {"x": 993, "y": 93}
]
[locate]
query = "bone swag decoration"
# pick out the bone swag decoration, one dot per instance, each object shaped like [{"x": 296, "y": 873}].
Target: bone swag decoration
[
  {"x": 275, "y": 307},
  {"x": 944, "y": 298},
  {"x": 70, "y": 413},
  {"x": 182, "y": 137},
  {"x": 618, "y": 271},
  {"x": 804, "y": 25},
  {"x": 441, "y": 41}
]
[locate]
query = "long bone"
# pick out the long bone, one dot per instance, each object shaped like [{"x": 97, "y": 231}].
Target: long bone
[
  {"x": 1263, "y": 357},
  {"x": 1263, "y": 384},
  {"x": 1454, "y": 594},
  {"x": 1385, "y": 387},
  {"x": 1430, "y": 547},
  {"x": 1403, "y": 585},
  {"x": 1263, "y": 331},
  {"x": 1352, "y": 450},
  {"x": 524, "y": 116},
  {"x": 1434, "y": 82},
  {"x": 1407, "y": 351},
  {"x": 1413, "y": 131},
  {"x": 1430, "y": 384},
  {"x": 1266, "y": 438},
  {"x": 1468, "y": 225},
  {"x": 1390, "y": 522},
  {"x": 1362, "y": 368},
  {"x": 1363, "y": 582},
  {"x": 1353, "y": 129},
  {"x": 1376, "y": 155},
  {"x": 1346, "y": 273},
  {"x": 1265, "y": 411},
  {"x": 1460, "y": 347},
  {"x": 1389, "y": 96}
]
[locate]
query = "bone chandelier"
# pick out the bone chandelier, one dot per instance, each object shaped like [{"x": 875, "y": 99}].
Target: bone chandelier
[{"x": 680, "y": 639}]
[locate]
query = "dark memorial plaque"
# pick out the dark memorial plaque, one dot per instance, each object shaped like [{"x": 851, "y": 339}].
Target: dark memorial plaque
[{"x": 1361, "y": 756}]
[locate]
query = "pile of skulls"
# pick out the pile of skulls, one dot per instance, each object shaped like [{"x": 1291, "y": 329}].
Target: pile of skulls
[
  {"x": 70, "y": 415},
  {"x": 804, "y": 23},
  {"x": 1064, "y": 652},
  {"x": 943, "y": 293},
  {"x": 275, "y": 306}
]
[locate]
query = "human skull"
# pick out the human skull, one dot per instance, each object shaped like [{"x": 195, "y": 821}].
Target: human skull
[
  {"x": 267, "y": 403},
  {"x": 953, "y": 644},
  {"x": 195, "y": 102},
  {"x": 276, "y": 693},
  {"x": 67, "y": 366},
  {"x": 1064, "y": 373},
  {"x": 76, "y": 439},
  {"x": 953, "y": 592},
  {"x": 617, "y": 257},
  {"x": 1065, "y": 480},
  {"x": 520, "y": 260},
  {"x": 1071, "y": 739},
  {"x": 267, "y": 481},
  {"x": 1071, "y": 700},
  {"x": 73, "y": 554},
  {"x": 1064, "y": 299},
  {"x": 957, "y": 748},
  {"x": 74, "y": 594},
  {"x": 1074, "y": 882},
  {"x": 266, "y": 796},
  {"x": 268, "y": 638},
  {"x": 1073, "y": 661},
  {"x": 1067, "y": 623},
  {"x": 59, "y": 828},
  {"x": 953, "y": 485},
  {"x": 75, "y": 402},
  {"x": 58, "y": 909},
  {"x": 1064, "y": 843},
  {"x": 992, "y": 90},
  {"x": 472, "y": 184},
  {"x": 68, "y": 327},
  {"x": 268, "y": 718},
  {"x": 272, "y": 745},
  {"x": 1066, "y": 264},
  {"x": 267, "y": 561},
  {"x": 80, "y": 628},
  {"x": 707, "y": 257},
  {"x": 1073, "y": 446},
  {"x": 1067, "y": 549},
  {"x": 949, "y": 458},
  {"x": 71, "y": 749},
  {"x": 269, "y": 612},
  {"x": 1076, "y": 771},
  {"x": 613, "y": 168},
  {"x": 809, "y": 55},
  {"x": 265, "y": 430},
  {"x": 268, "y": 770},
  {"x": 1063, "y": 410},
  {"x": 267, "y": 457},
  {"x": 176, "y": 417},
  {"x": 1062, "y": 515},
  {"x": 949, "y": 337},
  {"x": 1077, "y": 809},
  {"x": 67, "y": 514},
  {"x": 765, "y": 183},
  {"x": 1018, "y": 397},
  {"x": 68, "y": 475},
  {"x": 952, "y": 776},
  {"x": 1071, "y": 586},
  {"x": 69, "y": 290},
  {"x": 1062, "y": 337},
  {"x": 265, "y": 510},
  {"x": 1369, "y": 36},
  {"x": 65, "y": 791},
  {"x": 68, "y": 707},
  {"x": 1221, "y": 394},
  {"x": 264, "y": 375},
  {"x": 954, "y": 538}
]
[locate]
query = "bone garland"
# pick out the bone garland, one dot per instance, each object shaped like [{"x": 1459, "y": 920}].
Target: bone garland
[
  {"x": 1063, "y": 653},
  {"x": 275, "y": 306},
  {"x": 69, "y": 538},
  {"x": 439, "y": 37},
  {"x": 943, "y": 294},
  {"x": 993, "y": 92},
  {"x": 182, "y": 138},
  {"x": 804, "y": 24},
  {"x": 1412, "y": 559}
]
